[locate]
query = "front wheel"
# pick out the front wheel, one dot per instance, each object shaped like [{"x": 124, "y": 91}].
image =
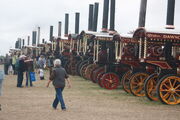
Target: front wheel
[
  {"x": 169, "y": 89},
  {"x": 125, "y": 81},
  {"x": 136, "y": 83},
  {"x": 150, "y": 87},
  {"x": 110, "y": 81}
]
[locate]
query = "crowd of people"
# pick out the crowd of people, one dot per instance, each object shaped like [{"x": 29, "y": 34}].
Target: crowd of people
[
  {"x": 21, "y": 65},
  {"x": 26, "y": 64}
]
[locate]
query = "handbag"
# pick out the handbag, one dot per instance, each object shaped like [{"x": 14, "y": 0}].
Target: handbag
[{"x": 32, "y": 76}]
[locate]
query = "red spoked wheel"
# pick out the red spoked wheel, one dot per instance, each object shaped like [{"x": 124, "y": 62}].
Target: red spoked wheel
[
  {"x": 125, "y": 81},
  {"x": 169, "y": 90},
  {"x": 99, "y": 79},
  {"x": 96, "y": 72},
  {"x": 110, "y": 81},
  {"x": 150, "y": 87},
  {"x": 136, "y": 83}
]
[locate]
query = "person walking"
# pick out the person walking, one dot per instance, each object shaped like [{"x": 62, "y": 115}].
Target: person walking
[
  {"x": 20, "y": 69},
  {"x": 58, "y": 77}
]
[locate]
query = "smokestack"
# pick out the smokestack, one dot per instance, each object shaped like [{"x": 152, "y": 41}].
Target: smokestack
[
  {"x": 19, "y": 43},
  {"x": 23, "y": 42},
  {"x": 38, "y": 39},
  {"x": 59, "y": 29},
  {"x": 112, "y": 15},
  {"x": 105, "y": 16},
  {"x": 43, "y": 40},
  {"x": 77, "y": 23},
  {"x": 28, "y": 40},
  {"x": 34, "y": 34},
  {"x": 142, "y": 13},
  {"x": 95, "y": 17},
  {"x": 90, "y": 21},
  {"x": 170, "y": 14},
  {"x": 66, "y": 25},
  {"x": 51, "y": 33}
]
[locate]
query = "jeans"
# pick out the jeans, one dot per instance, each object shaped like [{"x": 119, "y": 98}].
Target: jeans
[
  {"x": 28, "y": 79},
  {"x": 19, "y": 79},
  {"x": 59, "y": 98}
]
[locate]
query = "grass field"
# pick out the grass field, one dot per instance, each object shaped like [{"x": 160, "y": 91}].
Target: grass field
[{"x": 85, "y": 101}]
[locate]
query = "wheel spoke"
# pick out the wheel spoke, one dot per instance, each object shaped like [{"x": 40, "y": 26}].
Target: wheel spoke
[
  {"x": 141, "y": 78},
  {"x": 174, "y": 83},
  {"x": 106, "y": 80},
  {"x": 166, "y": 86},
  {"x": 164, "y": 90},
  {"x": 177, "y": 86},
  {"x": 166, "y": 95},
  {"x": 110, "y": 77},
  {"x": 175, "y": 100},
  {"x": 134, "y": 83},
  {"x": 139, "y": 90},
  {"x": 177, "y": 94},
  {"x": 169, "y": 97},
  {"x": 170, "y": 83},
  {"x": 135, "y": 79}
]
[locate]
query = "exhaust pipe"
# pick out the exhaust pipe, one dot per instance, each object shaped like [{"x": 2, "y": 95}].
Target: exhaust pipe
[
  {"x": 105, "y": 16},
  {"x": 34, "y": 34},
  {"x": 59, "y": 28},
  {"x": 16, "y": 44},
  {"x": 142, "y": 13},
  {"x": 66, "y": 25},
  {"x": 170, "y": 14},
  {"x": 38, "y": 39},
  {"x": 90, "y": 21},
  {"x": 112, "y": 15},
  {"x": 28, "y": 40},
  {"x": 51, "y": 34},
  {"x": 77, "y": 23},
  {"x": 43, "y": 40},
  {"x": 95, "y": 17},
  {"x": 23, "y": 42}
]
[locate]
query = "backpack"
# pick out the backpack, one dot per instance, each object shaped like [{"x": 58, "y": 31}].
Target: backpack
[{"x": 17, "y": 65}]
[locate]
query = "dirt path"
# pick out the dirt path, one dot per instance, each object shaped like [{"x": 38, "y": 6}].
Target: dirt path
[{"x": 85, "y": 101}]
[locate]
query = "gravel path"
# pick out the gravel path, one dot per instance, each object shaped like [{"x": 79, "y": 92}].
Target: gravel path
[{"x": 85, "y": 101}]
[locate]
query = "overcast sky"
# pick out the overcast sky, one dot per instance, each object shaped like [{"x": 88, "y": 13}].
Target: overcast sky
[{"x": 18, "y": 18}]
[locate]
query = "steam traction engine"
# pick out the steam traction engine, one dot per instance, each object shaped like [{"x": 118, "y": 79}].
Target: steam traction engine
[{"x": 162, "y": 51}]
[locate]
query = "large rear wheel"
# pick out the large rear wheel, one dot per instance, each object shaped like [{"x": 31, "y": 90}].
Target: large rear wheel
[{"x": 169, "y": 89}]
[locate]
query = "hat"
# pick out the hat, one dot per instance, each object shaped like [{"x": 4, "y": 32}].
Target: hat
[{"x": 22, "y": 56}]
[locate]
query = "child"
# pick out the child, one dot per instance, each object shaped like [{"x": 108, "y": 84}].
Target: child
[
  {"x": 41, "y": 74},
  {"x": 10, "y": 70}
]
